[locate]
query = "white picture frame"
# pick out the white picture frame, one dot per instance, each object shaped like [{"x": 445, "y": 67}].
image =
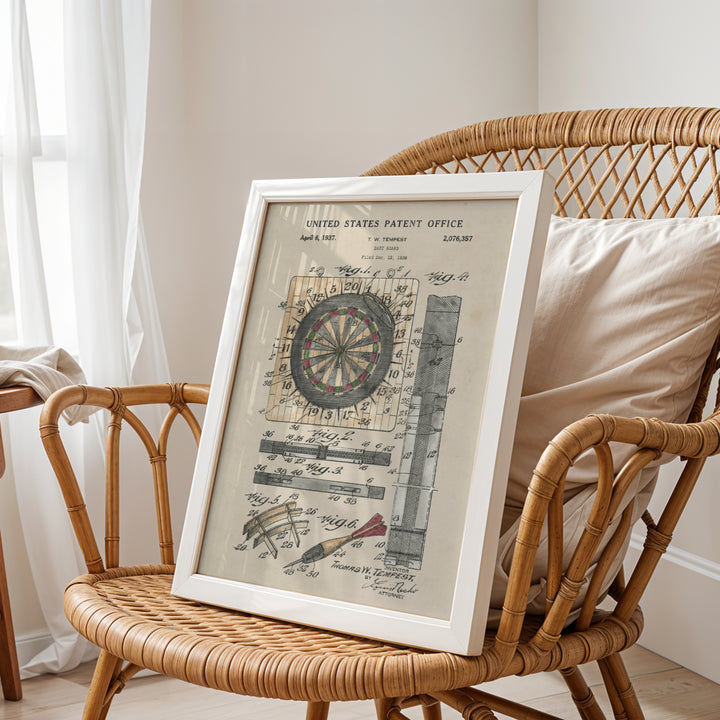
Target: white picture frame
[{"x": 356, "y": 445}]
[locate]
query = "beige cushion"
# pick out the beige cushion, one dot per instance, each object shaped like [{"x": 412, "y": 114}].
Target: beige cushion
[{"x": 626, "y": 315}]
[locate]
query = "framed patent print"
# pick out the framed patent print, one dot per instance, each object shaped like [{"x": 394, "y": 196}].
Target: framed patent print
[{"x": 352, "y": 468}]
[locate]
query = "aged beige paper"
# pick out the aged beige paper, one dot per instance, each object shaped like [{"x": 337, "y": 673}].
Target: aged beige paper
[{"x": 350, "y": 437}]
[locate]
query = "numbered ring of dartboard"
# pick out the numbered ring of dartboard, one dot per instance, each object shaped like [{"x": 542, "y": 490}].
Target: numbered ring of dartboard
[{"x": 342, "y": 350}]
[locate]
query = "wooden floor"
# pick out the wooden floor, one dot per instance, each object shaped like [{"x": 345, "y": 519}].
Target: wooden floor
[{"x": 666, "y": 690}]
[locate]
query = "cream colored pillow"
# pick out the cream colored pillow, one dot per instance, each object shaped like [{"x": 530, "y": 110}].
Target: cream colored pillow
[{"x": 626, "y": 316}]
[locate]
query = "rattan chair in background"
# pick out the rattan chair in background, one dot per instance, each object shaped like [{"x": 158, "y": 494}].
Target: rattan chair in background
[{"x": 610, "y": 163}]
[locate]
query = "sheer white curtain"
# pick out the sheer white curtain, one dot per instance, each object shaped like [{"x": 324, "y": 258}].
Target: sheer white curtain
[
  {"x": 21, "y": 144},
  {"x": 107, "y": 49},
  {"x": 118, "y": 339},
  {"x": 42, "y": 523}
]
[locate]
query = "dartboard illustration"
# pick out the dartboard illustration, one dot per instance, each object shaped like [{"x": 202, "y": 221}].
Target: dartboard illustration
[{"x": 342, "y": 350}]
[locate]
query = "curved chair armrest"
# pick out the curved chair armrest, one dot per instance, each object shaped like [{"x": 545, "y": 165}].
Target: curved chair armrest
[
  {"x": 652, "y": 437},
  {"x": 106, "y": 397}
]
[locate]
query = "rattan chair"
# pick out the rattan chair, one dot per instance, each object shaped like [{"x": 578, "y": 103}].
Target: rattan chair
[{"x": 609, "y": 163}]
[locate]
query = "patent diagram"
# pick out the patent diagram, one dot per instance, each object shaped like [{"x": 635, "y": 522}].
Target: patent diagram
[
  {"x": 341, "y": 352},
  {"x": 331, "y": 487},
  {"x": 372, "y": 528},
  {"x": 416, "y": 479},
  {"x": 271, "y": 523},
  {"x": 373, "y": 341},
  {"x": 315, "y": 451}
]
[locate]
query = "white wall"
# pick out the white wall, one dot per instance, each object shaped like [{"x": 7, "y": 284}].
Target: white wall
[
  {"x": 634, "y": 54},
  {"x": 279, "y": 88},
  {"x": 627, "y": 54},
  {"x": 244, "y": 89}
]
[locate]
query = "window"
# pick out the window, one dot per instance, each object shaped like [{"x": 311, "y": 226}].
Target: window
[
  {"x": 8, "y": 330},
  {"x": 45, "y": 27}
]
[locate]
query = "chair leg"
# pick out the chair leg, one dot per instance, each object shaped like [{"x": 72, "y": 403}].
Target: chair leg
[
  {"x": 620, "y": 690},
  {"x": 582, "y": 695},
  {"x": 618, "y": 710},
  {"x": 9, "y": 670},
  {"x": 432, "y": 709},
  {"x": 317, "y": 711},
  {"x": 382, "y": 707},
  {"x": 107, "y": 669}
]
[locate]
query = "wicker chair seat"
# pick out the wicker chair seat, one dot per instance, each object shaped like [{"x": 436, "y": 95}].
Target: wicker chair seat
[{"x": 251, "y": 655}]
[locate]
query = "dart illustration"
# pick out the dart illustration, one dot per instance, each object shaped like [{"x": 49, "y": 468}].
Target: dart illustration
[{"x": 374, "y": 526}]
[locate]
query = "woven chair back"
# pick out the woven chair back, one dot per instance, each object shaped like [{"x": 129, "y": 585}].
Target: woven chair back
[
  {"x": 632, "y": 162},
  {"x": 614, "y": 163}
]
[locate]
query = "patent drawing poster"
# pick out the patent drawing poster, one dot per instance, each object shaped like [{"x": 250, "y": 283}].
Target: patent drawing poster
[{"x": 350, "y": 437}]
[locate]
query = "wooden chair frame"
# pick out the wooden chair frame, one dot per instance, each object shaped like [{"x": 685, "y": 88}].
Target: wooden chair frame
[{"x": 631, "y": 163}]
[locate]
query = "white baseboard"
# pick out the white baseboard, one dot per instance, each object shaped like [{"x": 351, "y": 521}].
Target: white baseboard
[
  {"x": 680, "y": 608},
  {"x": 28, "y": 646}
]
